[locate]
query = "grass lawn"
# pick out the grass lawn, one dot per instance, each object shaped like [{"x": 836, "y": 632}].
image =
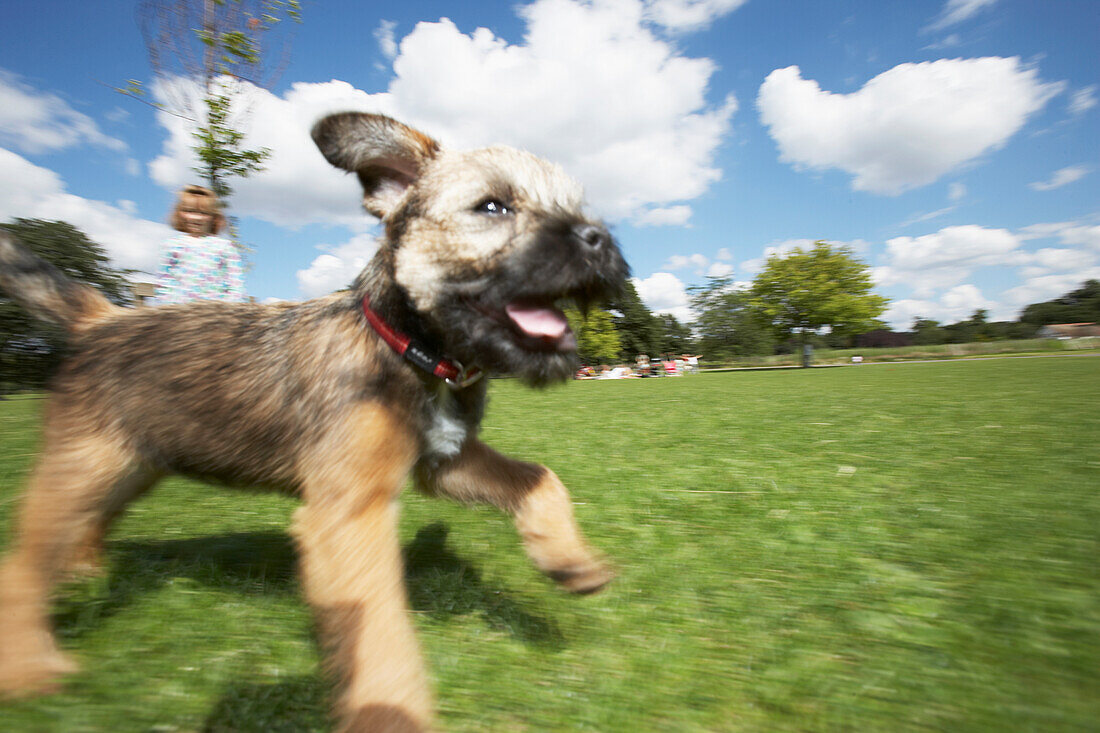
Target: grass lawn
[{"x": 888, "y": 547}]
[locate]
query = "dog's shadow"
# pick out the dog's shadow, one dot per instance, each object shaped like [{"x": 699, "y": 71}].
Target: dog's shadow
[
  {"x": 298, "y": 704},
  {"x": 440, "y": 583}
]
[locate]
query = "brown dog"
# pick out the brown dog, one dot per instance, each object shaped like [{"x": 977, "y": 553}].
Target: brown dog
[{"x": 336, "y": 399}]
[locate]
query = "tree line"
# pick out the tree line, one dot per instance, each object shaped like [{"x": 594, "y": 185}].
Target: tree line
[
  {"x": 819, "y": 296},
  {"x": 1081, "y": 305}
]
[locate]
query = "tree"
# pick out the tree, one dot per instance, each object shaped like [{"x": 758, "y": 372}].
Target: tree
[
  {"x": 639, "y": 330},
  {"x": 727, "y": 324},
  {"x": 927, "y": 332},
  {"x": 217, "y": 45},
  {"x": 597, "y": 340},
  {"x": 30, "y": 348},
  {"x": 1002, "y": 330},
  {"x": 675, "y": 337},
  {"x": 825, "y": 286},
  {"x": 1078, "y": 306}
]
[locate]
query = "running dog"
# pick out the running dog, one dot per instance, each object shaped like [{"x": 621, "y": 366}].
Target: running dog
[{"x": 336, "y": 400}]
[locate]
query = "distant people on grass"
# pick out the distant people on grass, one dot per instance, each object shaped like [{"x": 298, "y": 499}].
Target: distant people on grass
[
  {"x": 622, "y": 371},
  {"x": 665, "y": 365},
  {"x": 197, "y": 264}
]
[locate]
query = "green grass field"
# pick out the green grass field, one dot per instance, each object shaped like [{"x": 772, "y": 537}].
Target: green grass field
[{"x": 883, "y": 547}]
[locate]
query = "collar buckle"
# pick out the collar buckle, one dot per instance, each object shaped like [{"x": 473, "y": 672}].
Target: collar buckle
[{"x": 464, "y": 378}]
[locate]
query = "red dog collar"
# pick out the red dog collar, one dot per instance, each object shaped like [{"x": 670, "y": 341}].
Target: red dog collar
[{"x": 450, "y": 372}]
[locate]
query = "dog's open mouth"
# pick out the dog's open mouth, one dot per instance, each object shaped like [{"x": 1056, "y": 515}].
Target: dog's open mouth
[
  {"x": 541, "y": 323},
  {"x": 535, "y": 323}
]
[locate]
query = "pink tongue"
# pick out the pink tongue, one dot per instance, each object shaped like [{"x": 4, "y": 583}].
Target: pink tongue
[{"x": 548, "y": 323}]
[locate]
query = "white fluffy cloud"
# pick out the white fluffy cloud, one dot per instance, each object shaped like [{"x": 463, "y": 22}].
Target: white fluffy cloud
[
  {"x": 1052, "y": 259},
  {"x": 697, "y": 262},
  {"x": 720, "y": 269},
  {"x": 384, "y": 35},
  {"x": 32, "y": 192},
  {"x": 338, "y": 266},
  {"x": 1045, "y": 287},
  {"x": 782, "y": 249},
  {"x": 1061, "y": 177},
  {"x": 590, "y": 87},
  {"x": 955, "y": 305},
  {"x": 947, "y": 257},
  {"x": 907, "y": 126},
  {"x": 663, "y": 292},
  {"x": 35, "y": 122},
  {"x": 681, "y": 16},
  {"x": 667, "y": 216},
  {"x": 942, "y": 261},
  {"x": 1068, "y": 233},
  {"x": 966, "y": 245},
  {"x": 701, "y": 264}
]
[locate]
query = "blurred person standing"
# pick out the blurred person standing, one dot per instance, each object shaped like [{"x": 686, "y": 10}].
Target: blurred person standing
[{"x": 197, "y": 264}]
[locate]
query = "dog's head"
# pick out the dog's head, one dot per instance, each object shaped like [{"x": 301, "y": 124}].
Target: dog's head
[{"x": 487, "y": 245}]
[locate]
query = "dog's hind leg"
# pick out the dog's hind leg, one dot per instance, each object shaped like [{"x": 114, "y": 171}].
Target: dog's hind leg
[
  {"x": 81, "y": 481},
  {"x": 352, "y": 572},
  {"x": 536, "y": 499}
]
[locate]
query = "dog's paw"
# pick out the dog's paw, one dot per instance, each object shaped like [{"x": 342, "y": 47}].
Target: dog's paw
[
  {"x": 33, "y": 674},
  {"x": 378, "y": 717},
  {"x": 583, "y": 578}
]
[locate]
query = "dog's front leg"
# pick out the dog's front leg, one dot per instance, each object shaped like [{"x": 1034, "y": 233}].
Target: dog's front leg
[
  {"x": 352, "y": 572},
  {"x": 536, "y": 499}
]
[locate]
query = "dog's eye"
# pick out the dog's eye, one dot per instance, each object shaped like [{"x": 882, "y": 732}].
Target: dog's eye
[{"x": 492, "y": 207}]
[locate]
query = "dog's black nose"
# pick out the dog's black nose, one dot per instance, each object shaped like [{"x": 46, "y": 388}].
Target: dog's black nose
[{"x": 592, "y": 235}]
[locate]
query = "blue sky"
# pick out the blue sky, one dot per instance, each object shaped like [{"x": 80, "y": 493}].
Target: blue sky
[{"x": 952, "y": 143}]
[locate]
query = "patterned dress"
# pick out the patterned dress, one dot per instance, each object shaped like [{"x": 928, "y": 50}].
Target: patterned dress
[{"x": 200, "y": 268}]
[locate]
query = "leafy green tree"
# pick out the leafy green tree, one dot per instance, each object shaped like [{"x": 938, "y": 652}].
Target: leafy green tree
[
  {"x": 727, "y": 323},
  {"x": 927, "y": 332},
  {"x": 639, "y": 330},
  {"x": 972, "y": 329},
  {"x": 825, "y": 286},
  {"x": 675, "y": 336},
  {"x": 1003, "y": 330},
  {"x": 597, "y": 339},
  {"x": 29, "y": 348}
]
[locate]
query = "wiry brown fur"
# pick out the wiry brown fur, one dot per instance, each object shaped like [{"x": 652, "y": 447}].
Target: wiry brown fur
[{"x": 306, "y": 398}]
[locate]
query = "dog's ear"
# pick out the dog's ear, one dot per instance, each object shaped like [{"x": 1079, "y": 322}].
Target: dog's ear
[{"x": 387, "y": 155}]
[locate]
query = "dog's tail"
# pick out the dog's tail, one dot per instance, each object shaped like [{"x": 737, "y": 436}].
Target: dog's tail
[{"x": 45, "y": 291}]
